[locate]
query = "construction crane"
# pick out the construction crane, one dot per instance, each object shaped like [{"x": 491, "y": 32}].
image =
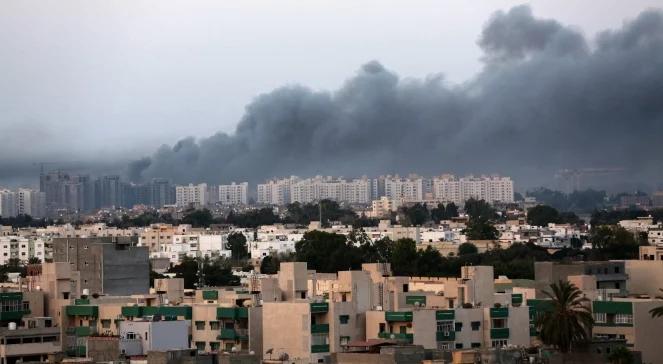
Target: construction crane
[{"x": 572, "y": 177}]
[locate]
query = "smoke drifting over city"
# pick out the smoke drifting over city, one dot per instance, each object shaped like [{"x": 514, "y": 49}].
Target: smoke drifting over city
[{"x": 547, "y": 98}]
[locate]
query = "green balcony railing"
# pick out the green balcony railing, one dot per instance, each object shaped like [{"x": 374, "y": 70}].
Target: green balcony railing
[
  {"x": 13, "y": 315},
  {"x": 84, "y": 330},
  {"x": 323, "y": 348},
  {"x": 319, "y": 307},
  {"x": 501, "y": 333},
  {"x": 82, "y": 310},
  {"x": 395, "y": 316},
  {"x": 210, "y": 295},
  {"x": 499, "y": 312},
  {"x": 407, "y": 337},
  {"x": 445, "y": 315},
  {"x": 413, "y": 300},
  {"x": 82, "y": 301},
  {"x": 227, "y": 334},
  {"x": 319, "y": 328},
  {"x": 517, "y": 299},
  {"x": 445, "y": 335}
]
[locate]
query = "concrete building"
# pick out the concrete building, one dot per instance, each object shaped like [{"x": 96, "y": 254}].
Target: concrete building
[
  {"x": 7, "y": 203},
  {"x": 154, "y": 335},
  {"x": 30, "y": 202},
  {"x": 610, "y": 276},
  {"x": 458, "y": 190},
  {"x": 356, "y": 191},
  {"x": 22, "y": 248},
  {"x": 112, "y": 266},
  {"x": 275, "y": 191},
  {"x": 629, "y": 319},
  {"x": 410, "y": 189},
  {"x": 192, "y": 195},
  {"x": 233, "y": 194},
  {"x": 34, "y": 341}
]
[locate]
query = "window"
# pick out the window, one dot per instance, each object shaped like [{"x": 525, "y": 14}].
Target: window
[
  {"x": 200, "y": 345},
  {"x": 458, "y": 326},
  {"x": 600, "y": 317},
  {"x": 383, "y": 327},
  {"x": 459, "y": 345},
  {"x": 214, "y": 345},
  {"x": 475, "y": 345},
  {"x": 406, "y": 288},
  {"x": 344, "y": 319},
  {"x": 213, "y": 325},
  {"x": 200, "y": 325},
  {"x": 622, "y": 318},
  {"x": 498, "y": 343},
  {"x": 445, "y": 326},
  {"x": 616, "y": 269},
  {"x": 499, "y": 323},
  {"x": 344, "y": 340},
  {"x": 106, "y": 324},
  {"x": 475, "y": 325},
  {"x": 444, "y": 346},
  {"x": 131, "y": 335}
]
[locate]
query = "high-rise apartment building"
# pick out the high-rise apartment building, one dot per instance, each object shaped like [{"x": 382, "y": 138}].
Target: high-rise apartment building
[
  {"x": 30, "y": 202},
  {"x": 410, "y": 189},
  {"x": 329, "y": 188},
  {"x": 192, "y": 195},
  {"x": 275, "y": 191},
  {"x": 233, "y": 194},
  {"x": 458, "y": 190},
  {"x": 7, "y": 203}
]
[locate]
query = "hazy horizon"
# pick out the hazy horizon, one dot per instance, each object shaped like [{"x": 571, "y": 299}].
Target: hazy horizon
[{"x": 95, "y": 86}]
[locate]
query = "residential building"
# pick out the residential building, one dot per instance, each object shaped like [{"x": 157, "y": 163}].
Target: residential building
[
  {"x": 34, "y": 341},
  {"x": 275, "y": 191},
  {"x": 30, "y": 202},
  {"x": 448, "y": 188},
  {"x": 192, "y": 195},
  {"x": 7, "y": 203},
  {"x": 233, "y": 194},
  {"x": 22, "y": 248},
  {"x": 112, "y": 266},
  {"x": 410, "y": 189}
]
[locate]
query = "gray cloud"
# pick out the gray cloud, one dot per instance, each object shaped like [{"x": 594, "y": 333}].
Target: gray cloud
[{"x": 547, "y": 98}]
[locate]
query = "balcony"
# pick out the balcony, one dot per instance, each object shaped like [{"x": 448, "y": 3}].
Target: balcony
[
  {"x": 232, "y": 313},
  {"x": 517, "y": 299},
  {"x": 81, "y": 331},
  {"x": 82, "y": 301},
  {"x": 319, "y": 307},
  {"x": 319, "y": 328},
  {"x": 210, "y": 295},
  {"x": 445, "y": 336},
  {"x": 499, "y": 312},
  {"x": 501, "y": 333},
  {"x": 320, "y": 348},
  {"x": 393, "y": 316},
  {"x": 414, "y": 300},
  {"x": 409, "y": 338},
  {"x": 132, "y": 311},
  {"x": 445, "y": 315},
  {"x": 228, "y": 334},
  {"x": 89, "y": 311},
  {"x": 13, "y": 315}
]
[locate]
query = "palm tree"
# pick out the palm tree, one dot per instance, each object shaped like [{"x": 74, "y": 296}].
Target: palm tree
[
  {"x": 569, "y": 320},
  {"x": 621, "y": 355},
  {"x": 656, "y": 311}
]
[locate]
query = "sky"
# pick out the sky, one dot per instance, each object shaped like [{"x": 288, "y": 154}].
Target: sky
[{"x": 112, "y": 81}]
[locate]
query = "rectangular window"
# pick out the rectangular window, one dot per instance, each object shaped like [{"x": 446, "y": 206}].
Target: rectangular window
[
  {"x": 214, "y": 345},
  {"x": 344, "y": 340},
  {"x": 600, "y": 317},
  {"x": 213, "y": 325},
  {"x": 475, "y": 345},
  {"x": 444, "y": 346},
  {"x": 344, "y": 319},
  {"x": 406, "y": 288},
  {"x": 200, "y": 345},
  {"x": 200, "y": 325},
  {"x": 476, "y": 325},
  {"x": 622, "y": 318},
  {"x": 106, "y": 324},
  {"x": 458, "y": 326},
  {"x": 459, "y": 345},
  {"x": 498, "y": 343},
  {"x": 445, "y": 326}
]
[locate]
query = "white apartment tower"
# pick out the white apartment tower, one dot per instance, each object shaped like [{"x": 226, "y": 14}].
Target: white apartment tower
[
  {"x": 234, "y": 193},
  {"x": 30, "y": 202},
  {"x": 192, "y": 195},
  {"x": 356, "y": 191},
  {"x": 410, "y": 189},
  {"x": 275, "y": 191},
  {"x": 7, "y": 203},
  {"x": 488, "y": 188}
]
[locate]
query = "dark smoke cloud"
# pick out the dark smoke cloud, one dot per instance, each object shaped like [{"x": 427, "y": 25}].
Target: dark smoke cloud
[{"x": 547, "y": 98}]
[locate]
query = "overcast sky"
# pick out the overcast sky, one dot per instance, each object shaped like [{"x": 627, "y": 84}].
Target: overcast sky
[{"x": 109, "y": 78}]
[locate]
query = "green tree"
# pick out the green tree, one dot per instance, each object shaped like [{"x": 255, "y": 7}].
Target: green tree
[
  {"x": 576, "y": 243},
  {"x": 198, "y": 218},
  {"x": 467, "y": 248},
  {"x": 438, "y": 213},
  {"x": 614, "y": 242},
  {"x": 414, "y": 215},
  {"x": 569, "y": 321},
  {"x": 34, "y": 260},
  {"x": 429, "y": 262},
  {"x": 327, "y": 252},
  {"x": 451, "y": 210},
  {"x": 479, "y": 210},
  {"x": 621, "y": 355},
  {"x": 542, "y": 215},
  {"x": 269, "y": 265},
  {"x": 404, "y": 257},
  {"x": 480, "y": 229},
  {"x": 237, "y": 246}
]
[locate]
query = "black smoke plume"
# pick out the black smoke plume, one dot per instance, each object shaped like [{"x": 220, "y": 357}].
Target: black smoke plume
[{"x": 547, "y": 98}]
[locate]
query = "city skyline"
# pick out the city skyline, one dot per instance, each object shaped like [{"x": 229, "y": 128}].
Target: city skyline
[{"x": 431, "y": 120}]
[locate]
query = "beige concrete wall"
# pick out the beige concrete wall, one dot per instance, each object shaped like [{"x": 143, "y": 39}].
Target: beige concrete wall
[
  {"x": 373, "y": 321},
  {"x": 424, "y": 326},
  {"x": 518, "y": 324},
  {"x": 648, "y": 331},
  {"x": 205, "y": 312},
  {"x": 286, "y": 327},
  {"x": 293, "y": 280},
  {"x": 467, "y": 336},
  {"x": 644, "y": 276}
]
